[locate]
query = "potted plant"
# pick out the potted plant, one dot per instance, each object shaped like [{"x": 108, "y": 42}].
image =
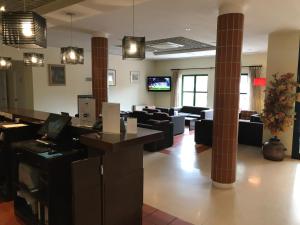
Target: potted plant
[{"x": 278, "y": 113}]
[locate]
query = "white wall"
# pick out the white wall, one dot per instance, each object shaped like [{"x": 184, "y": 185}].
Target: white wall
[
  {"x": 164, "y": 67},
  {"x": 283, "y": 55},
  {"x": 127, "y": 93},
  {"x": 64, "y": 98}
]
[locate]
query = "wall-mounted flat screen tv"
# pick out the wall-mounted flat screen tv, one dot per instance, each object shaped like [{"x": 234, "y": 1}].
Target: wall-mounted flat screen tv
[{"x": 159, "y": 84}]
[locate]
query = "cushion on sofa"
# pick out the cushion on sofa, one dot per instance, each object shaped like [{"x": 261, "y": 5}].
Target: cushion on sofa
[
  {"x": 160, "y": 116},
  {"x": 151, "y": 110},
  {"x": 246, "y": 114},
  {"x": 192, "y": 110},
  {"x": 169, "y": 111},
  {"x": 142, "y": 116}
]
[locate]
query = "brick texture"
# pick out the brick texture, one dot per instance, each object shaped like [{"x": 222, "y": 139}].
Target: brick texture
[
  {"x": 227, "y": 91},
  {"x": 99, "y": 70}
]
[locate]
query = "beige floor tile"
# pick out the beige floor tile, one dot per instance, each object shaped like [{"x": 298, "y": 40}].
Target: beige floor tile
[{"x": 266, "y": 193}]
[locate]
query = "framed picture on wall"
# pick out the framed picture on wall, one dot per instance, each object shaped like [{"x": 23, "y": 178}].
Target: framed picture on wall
[
  {"x": 57, "y": 75},
  {"x": 134, "y": 77},
  {"x": 111, "y": 77}
]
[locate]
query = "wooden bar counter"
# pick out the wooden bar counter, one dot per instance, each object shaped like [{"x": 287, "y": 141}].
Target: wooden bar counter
[{"x": 108, "y": 185}]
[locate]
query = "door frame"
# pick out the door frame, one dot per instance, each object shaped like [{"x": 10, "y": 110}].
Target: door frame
[
  {"x": 296, "y": 132},
  {"x": 6, "y": 89}
]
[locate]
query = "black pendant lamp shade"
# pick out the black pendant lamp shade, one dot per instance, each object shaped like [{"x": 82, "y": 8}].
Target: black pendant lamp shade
[
  {"x": 133, "y": 47},
  {"x": 24, "y": 29},
  {"x": 5, "y": 63},
  {"x": 72, "y": 55},
  {"x": 33, "y": 59}
]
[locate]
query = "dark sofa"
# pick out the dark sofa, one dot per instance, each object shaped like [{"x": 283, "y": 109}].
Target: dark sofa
[
  {"x": 156, "y": 121},
  {"x": 193, "y": 112},
  {"x": 169, "y": 111},
  {"x": 168, "y": 114},
  {"x": 250, "y": 133}
]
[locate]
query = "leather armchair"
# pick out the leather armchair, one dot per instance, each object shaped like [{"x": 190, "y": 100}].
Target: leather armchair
[
  {"x": 250, "y": 133},
  {"x": 165, "y": 126},
  {"x": 156, "y": 121},
  {"x": 204, "y": 132}
]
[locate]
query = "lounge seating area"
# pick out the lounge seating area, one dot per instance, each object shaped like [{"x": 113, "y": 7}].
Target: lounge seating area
[{"x": 173, "y": 122}]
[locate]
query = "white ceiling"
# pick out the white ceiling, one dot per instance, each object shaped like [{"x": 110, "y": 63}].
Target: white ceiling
[{"x": 158, "y": 19}]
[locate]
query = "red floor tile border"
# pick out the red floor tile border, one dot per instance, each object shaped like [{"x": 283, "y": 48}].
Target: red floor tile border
[
  {"x": 151, "y": 216},
  {"x": 166, "y": 151}
]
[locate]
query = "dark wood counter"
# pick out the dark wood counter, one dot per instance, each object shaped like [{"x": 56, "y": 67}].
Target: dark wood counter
[
  {"x": 96, "y": 140},
  {"x": 113, "y": 142},
  {"x": 108, "y": 185}
]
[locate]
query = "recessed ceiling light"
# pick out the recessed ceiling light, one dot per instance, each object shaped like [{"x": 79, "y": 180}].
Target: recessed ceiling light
[
  {"x": 2, "y": 8},
  {"x": 188, "y": 29},
  {"x": 166, "y": 45}
]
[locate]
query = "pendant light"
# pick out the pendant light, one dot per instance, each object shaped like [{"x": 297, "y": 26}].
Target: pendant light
[
  {"x": 133, "y": 47},
  {"x": 24, "y": 29},
  {"x": 5, "y": 63},
  {"x": 72, "y": 55},
  {"x": 33, "y": 59}
]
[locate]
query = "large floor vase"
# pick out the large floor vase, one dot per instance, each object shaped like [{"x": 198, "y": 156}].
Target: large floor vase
[{"x": 274, "y": 150}]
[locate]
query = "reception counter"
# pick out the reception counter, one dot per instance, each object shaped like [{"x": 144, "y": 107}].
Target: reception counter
[{"x": 107, "y": 185}]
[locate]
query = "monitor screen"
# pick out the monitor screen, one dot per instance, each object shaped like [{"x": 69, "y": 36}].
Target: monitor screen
[
  {"x": 159, "y": 84},
  {"x": 54, "y": 125}
]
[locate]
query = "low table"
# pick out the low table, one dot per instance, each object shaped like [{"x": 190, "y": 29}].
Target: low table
[{"x": 190, "y": 122}]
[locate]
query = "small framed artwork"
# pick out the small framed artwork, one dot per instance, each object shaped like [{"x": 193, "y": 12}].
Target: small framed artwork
[
  {"x": 57, "y": 75},
  {"x": 134, "y": 77},
  {"x": 111, "y": 77}
]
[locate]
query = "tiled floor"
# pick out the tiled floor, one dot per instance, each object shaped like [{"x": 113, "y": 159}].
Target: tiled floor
[
  {"x": 7, "y": 216},
  {"x": 266, "y": 193}
]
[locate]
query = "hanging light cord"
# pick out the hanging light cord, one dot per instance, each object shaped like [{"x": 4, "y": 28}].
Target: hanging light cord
[
  {"x": 24, "y": 5},
  {"x": 133, "y": 18},
  {"x": 71, "y": 15}
]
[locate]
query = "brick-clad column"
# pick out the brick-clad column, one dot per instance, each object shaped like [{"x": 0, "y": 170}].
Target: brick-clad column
[
  {"x": 226, "y": 102},
  {"x": 99, "y": 70}
]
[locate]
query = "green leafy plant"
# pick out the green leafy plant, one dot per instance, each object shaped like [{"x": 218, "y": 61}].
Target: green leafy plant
[{"x": 278, "y": 112}]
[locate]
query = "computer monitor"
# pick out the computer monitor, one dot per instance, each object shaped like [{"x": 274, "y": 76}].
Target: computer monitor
[{"x": 53, "y": 126}]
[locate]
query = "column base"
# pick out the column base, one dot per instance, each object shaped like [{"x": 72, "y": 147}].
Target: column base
[{"x": 223, "y": 186}]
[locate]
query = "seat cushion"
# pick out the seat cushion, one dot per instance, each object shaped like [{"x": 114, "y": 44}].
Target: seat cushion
[
  {"x": 246, "y": 114},
  {"x": 192, "y": 109}
]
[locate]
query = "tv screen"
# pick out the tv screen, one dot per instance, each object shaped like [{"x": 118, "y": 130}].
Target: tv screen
[{"x": 159, "y": 84}]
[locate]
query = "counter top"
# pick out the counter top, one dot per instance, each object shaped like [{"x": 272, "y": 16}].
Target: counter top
[
  {"x": 114, "y": 142},
  {"x": 33, "y": 115}
]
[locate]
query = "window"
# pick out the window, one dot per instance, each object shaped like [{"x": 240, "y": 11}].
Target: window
[
  {"x": 194, "y": 90},
  {"x": 244, "y": 92}
]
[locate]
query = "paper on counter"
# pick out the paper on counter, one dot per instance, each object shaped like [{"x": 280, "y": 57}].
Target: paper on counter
[
  {"x": 132, "y": 126},
  {"x": 111, "y": 117},
  {"x": 17, "y": 125}
]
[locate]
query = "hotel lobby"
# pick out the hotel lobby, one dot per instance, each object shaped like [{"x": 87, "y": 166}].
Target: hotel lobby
[{"x": 149, "y": 112}]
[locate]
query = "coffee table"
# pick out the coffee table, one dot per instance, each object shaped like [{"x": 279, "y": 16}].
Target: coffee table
[{"x": 190, "y": 122}]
